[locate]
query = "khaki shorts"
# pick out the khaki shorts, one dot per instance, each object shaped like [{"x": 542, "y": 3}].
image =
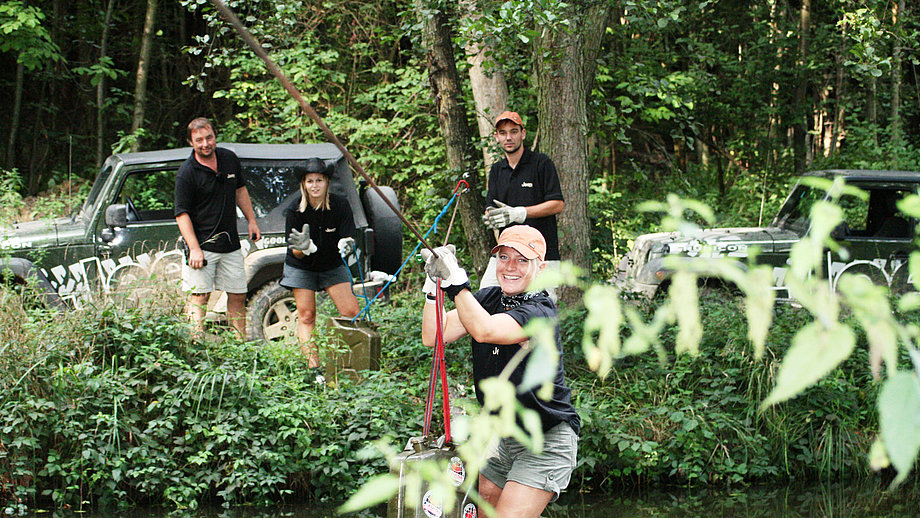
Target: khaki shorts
[
  {"x": 550, "y": 471},
  {"x": 224, "y": 272}
]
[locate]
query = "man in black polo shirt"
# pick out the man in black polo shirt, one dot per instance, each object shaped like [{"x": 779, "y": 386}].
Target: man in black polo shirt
[
  {"x": 209, "y": 187},
  {"x": 523, "y": 189}
]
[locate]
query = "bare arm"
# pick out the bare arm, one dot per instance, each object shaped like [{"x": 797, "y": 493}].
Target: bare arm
[
  {"x": 245, "y": 205},
  {"x": 547, "y": 208},
  {"x": 453, "y": 329},
  {"x": 499, "y": 329},
  {"x": 195, "y": 255}
]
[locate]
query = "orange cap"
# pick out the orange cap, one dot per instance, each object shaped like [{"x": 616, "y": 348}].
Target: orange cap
[
  {"x": 510, "y": 116},
  {"x": 527, "y": 240}
]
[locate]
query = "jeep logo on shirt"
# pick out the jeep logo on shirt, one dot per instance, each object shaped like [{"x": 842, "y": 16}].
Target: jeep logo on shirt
[{"x": 527, "y": 184}]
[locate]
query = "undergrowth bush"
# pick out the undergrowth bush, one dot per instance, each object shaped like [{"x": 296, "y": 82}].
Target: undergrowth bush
[
  {"x": 696, "y": 420},
  {"x": 118, "y": 405}
]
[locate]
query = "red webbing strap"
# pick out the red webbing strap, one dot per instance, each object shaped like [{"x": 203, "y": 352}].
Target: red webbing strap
[
  {"x": 439, "y": 302},
  {"x": 438, "y": 363}
]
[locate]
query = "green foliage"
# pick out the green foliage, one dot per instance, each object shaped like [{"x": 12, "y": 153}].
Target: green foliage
[
  {"x": 22, "y": 33},
  {"x": 10, "y": 198},
  {"x": 117, "y": 406}
]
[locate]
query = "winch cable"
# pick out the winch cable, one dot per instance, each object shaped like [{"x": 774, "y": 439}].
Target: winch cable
[
  {"x": 256, "y": 47},
  {"x": 433, "y": 228}
]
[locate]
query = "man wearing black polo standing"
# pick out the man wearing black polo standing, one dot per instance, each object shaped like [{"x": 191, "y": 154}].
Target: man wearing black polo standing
[
  {"x": 209, "y": 187},
  {"x": 523, "y": 189}
]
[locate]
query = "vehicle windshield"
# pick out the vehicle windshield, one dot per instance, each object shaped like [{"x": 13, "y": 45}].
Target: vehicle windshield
[
  {"x": 89, "y": 206},
  {"x": 794, "y": 214}
]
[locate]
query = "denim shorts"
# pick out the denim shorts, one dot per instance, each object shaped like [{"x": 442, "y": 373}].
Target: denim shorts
[
  {"x": 549, "y": 471},
  {"x": 224, "y": 271},
  {"x": 293, "y": 277}
]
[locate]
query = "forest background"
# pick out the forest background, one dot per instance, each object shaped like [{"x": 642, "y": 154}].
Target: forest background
[
  {"x": 722, "y": 102},
  {"x": 718, "y": 101}
]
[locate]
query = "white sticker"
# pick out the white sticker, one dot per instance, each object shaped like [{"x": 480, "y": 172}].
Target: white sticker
[
  {"x": 432, "y": 509},
  {"x": 456, "y": 471}
]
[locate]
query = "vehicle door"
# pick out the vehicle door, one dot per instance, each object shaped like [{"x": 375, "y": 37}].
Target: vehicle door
[
  {"x": 876, "y": 237},
  {"x": 138, "y": 237}
]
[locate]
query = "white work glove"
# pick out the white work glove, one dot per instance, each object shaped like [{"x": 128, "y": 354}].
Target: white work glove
[
  {"x": 301, "y": 240},
  {"x": 346, "y": 246},
  {"x": 503, "y": 215},
  {"x": 445, "y": 267},
  {"x": 430, "y": 290}
]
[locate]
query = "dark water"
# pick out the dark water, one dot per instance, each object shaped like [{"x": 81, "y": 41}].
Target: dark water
[{"x": 839, "y": 500}]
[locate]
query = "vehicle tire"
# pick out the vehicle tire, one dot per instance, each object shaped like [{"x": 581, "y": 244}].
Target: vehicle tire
[
  {"x": 387, "y": 230},
  {"x": 271, "y": 313}
]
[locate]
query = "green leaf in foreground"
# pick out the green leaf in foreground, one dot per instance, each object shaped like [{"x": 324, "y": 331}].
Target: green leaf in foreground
[
  {"x": 899, "y": 420},
  {"x": 376, "y": 491},
  {"x": 815, "y": 351}
]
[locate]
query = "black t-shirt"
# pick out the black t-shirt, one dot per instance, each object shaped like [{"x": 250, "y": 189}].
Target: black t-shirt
[
  {"x": 327, "y": 227},
  {"x": 209, "y": 198},
  {"x": 532, "y": 182},
  {"x": 489, "y": 360}
]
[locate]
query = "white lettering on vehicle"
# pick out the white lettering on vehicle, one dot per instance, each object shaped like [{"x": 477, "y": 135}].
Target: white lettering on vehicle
[
  {"x": 14, "y": 243},
  {"x": 75, "y": 282}
]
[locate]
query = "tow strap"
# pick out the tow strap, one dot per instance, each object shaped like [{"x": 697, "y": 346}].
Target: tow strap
[{"x": 438, "y": 365}]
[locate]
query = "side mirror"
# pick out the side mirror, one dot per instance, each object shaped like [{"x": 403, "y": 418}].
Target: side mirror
[{"x": 116, "y": 215}]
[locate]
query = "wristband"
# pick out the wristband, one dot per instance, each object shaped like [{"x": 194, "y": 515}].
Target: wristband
[
  {"x": 430, "y": 299},
  {"x": 453, "y": 291}
]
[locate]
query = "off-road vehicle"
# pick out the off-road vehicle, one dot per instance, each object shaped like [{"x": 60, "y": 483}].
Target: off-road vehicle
[
  {"x": 877, "y": 237},
  {"x": 125, "y": 230}
]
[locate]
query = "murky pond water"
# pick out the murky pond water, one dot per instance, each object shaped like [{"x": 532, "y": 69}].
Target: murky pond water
[{"x": 867, "y": 499}]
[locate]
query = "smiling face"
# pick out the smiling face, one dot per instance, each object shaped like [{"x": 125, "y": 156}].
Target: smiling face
[
  {"x": 203, "y": 141},
  {"x": 515, "y": 272},
  {"x": 316, "y": 185}
]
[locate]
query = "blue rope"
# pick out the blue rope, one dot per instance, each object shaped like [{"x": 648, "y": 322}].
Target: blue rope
[
  {"x": 367, "y": 301},
  {"x": 432, "y": 228}
]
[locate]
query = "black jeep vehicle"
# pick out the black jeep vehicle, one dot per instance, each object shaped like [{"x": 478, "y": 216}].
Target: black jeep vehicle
[
  {"x": 877, "y": 237},
  {"x": 126, "y": 230}
]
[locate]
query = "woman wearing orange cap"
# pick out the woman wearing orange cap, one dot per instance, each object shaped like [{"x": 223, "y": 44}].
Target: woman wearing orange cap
[{"x": 515, "y": 481}]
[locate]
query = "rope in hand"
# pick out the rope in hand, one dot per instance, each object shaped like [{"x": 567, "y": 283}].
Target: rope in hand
[{"x": 433, "y": 228}]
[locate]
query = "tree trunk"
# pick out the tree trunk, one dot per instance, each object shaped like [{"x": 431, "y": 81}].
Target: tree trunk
[
  {"x": 100, "y": 87},
  {"x": 490, "y": 91},
  {"x": 446, "y": 90},
  {"x": 897, "y": 16},
  {"x": 800, "y": 126},
  {"x": 143, "y": 64},
  {"x": 14, "y": 117},
  {"x": 564, "y": 67}
]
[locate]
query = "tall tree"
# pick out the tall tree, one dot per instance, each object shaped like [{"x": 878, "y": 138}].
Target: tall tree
[
  {"x": 487, "y": 79},
  {"x": 143, "y": 66},
  {"x": 800, "y": 103},
  {"x": 101, "y": 85},
  {"x": 446, "y": 90},
  {"x": 22, "y": 34},
  {"x": 564, "y": 67},
  {"x": 897, "y": 18}
]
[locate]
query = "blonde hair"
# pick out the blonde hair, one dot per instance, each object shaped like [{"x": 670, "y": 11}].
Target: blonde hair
[{"x": 304, "y": 196}]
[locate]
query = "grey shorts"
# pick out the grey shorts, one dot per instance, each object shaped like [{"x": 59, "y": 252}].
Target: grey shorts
[
  {"x": 293, "y": 277},
  {"x": 549, "y": 471},
  {"x": 224, "y": 271}
]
